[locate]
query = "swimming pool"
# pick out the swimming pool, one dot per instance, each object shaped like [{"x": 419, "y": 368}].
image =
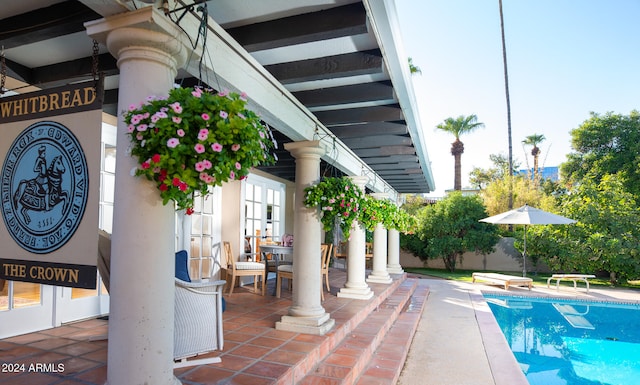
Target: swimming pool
[{"x": 571, "y": 342}]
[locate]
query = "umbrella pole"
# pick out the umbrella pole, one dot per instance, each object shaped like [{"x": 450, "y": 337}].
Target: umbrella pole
[{"x": 524, "y": 253}]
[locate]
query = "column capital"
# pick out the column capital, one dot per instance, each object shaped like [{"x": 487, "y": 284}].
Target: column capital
[
  {"x": 146, "y": 28},
  {"x": 380, "y": 196},
  {"x": 360, "y": 180},
  {"x": 309, "y": 148}
]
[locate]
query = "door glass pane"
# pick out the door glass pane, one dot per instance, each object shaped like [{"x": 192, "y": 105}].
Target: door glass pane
[
  {"x": 4, "y": 294},
  {"x": 208, "y": 204},
  {"x": 26, "y": 294}
]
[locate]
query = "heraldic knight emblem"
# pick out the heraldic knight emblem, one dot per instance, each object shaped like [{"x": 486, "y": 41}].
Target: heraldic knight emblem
[{"x": 43, "y": 192}]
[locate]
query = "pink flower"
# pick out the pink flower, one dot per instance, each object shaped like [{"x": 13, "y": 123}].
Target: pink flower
[
  {"x": 205, "y": 116},
  {"x": 223, "y": 114},
  {"x": 232, "y": 175},
  {"x": 199, "y": 148},
  {"x": 242, "y": 116},
  {"x": 203, "y": 134},
  {"x": 173, "y": 143},
  {"x": 132, "y": 107},
  {"x": 238, "y": 166},
  {"x": 223, "y": 93},
  {"x": 235, "y": 147},
  {"x": 142, "y": 127},
  {"x": 243, "y": 96},
  {"x": 217, "y": 147},
  {"x": 200, "y": 167},
  {"x": 203, "y": 176},
  {"x": 135, "y": 119},
  {"x": 139, "y": 136},
  {"x": 177, "y": 108},
  {"x": 180, "y": 132},
  {"x": 197, "y": 92},
  {"x": 207, "y": 164},
  {"x": 131, "y": 128},
  {"x": 176, "y": 119}
]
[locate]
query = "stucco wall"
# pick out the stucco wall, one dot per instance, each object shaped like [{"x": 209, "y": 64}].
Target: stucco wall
[{"x": 504, "y": 258}]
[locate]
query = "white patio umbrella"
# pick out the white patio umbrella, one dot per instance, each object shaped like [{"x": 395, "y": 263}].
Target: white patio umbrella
[{"x": 527, "y": 215}]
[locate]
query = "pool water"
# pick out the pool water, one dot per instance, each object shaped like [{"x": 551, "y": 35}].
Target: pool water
[{"x": 559, "y": 341}]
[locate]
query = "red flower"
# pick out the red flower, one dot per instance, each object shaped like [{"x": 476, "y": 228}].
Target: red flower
[
  {"x": 155, "y": 158},
  {"x": 145, "y": 165},
  {"x": 189, "y": 211},
  {"x": 163, "y": 187},
  {"x": 176, "y": 182},
  {"x": 183, "y": 186}
]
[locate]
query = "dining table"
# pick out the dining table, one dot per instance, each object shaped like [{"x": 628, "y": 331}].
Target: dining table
[{"x": 278, "y": 254}]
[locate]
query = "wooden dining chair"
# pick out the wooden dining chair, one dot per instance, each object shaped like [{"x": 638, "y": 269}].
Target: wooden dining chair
[
  {"x": 242, "y": 269},
  {"x": 286, "y": 271},
  {"x": 327, "y": 253}
]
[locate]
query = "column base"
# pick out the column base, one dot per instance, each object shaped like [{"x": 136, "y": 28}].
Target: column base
[
  {"x": 308, "y": 325},
  {"x": 397, "y": 269},
  {"x": 174, "y": 381},
  {"x": 356, "y": 293},
  {"x": 379, "y": 277}
]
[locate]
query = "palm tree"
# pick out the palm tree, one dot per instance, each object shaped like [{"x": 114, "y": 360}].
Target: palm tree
[
  {"x": 458, "y": 126},
  {"x": 534, "y": 140},
  {"x": 414, "y": 69},
  {"x": 506, "y": 91}
]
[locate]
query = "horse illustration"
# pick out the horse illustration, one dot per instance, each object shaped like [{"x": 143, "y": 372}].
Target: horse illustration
[{"x": 32, "y": 196}]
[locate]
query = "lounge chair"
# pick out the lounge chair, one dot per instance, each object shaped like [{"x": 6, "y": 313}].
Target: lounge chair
[
  {"x": 570, "y": 277},
  {"x": 502, "y": 279}
]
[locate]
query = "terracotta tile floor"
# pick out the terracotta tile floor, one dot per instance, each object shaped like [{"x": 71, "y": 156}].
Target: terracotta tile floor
[{"x": 254, "y": 351}]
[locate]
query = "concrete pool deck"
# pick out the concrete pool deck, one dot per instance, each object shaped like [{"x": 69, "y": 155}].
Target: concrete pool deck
[{"x": 458, "y": 341}]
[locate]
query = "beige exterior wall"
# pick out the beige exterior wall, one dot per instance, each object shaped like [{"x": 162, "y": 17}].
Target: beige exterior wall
[{"x": 505, "y": 258}]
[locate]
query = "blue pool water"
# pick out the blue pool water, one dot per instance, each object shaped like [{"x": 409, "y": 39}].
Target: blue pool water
[{"x": 559, "y": 341}]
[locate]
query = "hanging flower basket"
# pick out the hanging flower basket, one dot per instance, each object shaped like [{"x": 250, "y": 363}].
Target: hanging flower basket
[
  {"x": 339, "y": 201},
  {"x": 194, "y": 139},
  {"x": 383, "y": 211}
]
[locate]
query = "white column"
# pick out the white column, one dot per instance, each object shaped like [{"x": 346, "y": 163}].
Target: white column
[
  {"x": 379, "y": 274},
  {"x": 141, "y": 319},
  {"x": 394, "y": 253},
  {"x": 306, "y": 314},
  {"x": 356, "y": 286}
]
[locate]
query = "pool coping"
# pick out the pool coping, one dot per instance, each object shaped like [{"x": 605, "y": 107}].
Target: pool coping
[{"x": 504, "y": 367}]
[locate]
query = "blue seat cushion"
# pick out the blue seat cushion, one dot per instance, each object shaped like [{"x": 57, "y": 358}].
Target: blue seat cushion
[{"x": 182, "y": 271}]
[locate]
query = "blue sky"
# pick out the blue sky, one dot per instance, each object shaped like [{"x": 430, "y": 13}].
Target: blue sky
[{"x": 566, "y": 58}]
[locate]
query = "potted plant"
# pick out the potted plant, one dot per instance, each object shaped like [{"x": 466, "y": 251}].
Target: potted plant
[
  {"x": 195, "y": 138},
  {"x": 339, "y": 201}
]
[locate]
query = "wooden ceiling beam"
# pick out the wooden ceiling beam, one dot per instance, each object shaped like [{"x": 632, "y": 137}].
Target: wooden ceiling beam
[
  {"x": 362, "y": 114},
  {"x": 356, "y": 93},
  {"x": 370, "y": 128},
  {"x": 328, "y": 67},
  {"x": 45, "y": 23},
  {"x": 327, "y": 24}
]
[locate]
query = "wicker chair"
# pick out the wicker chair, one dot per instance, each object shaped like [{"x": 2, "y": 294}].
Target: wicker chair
[{"x": 198, "y": 321}]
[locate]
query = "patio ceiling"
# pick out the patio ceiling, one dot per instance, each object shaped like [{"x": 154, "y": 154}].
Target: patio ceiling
[{"x": 340, "y": 60}]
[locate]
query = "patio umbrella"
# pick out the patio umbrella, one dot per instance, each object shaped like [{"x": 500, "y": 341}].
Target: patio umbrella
[{"x": 527, "y": 215}]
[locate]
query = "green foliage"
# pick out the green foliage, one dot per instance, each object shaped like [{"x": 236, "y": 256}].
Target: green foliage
[
  {"x": 606, "y": 144},
  {"x": 496, "y": 195},
  {"x": 605, "y": 239},
  {"x": 460, "y": 125},
  {"x": 451, "y": 227},
  {"x": 339, "y": 201},
  {"x": 481, "y": 178}
]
